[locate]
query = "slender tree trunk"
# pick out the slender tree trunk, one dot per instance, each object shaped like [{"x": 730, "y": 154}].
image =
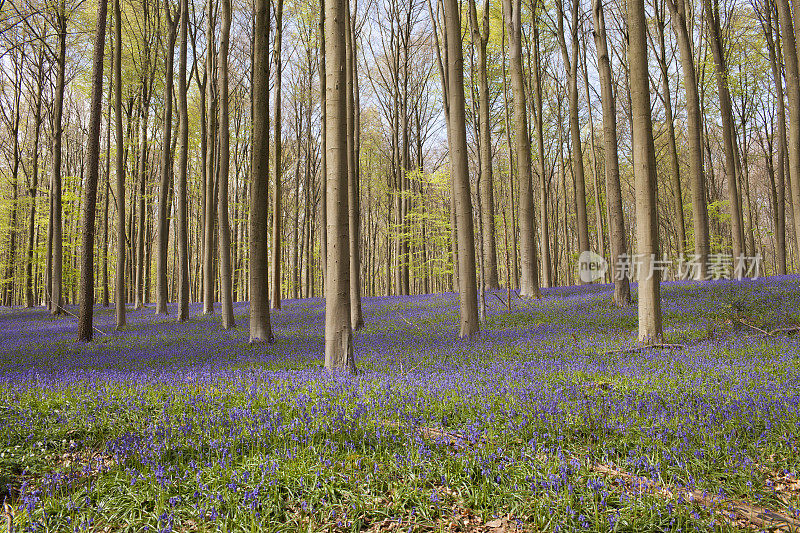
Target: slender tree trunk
[
  {"x": 162, "y": 295},
  {"x": 181, "y": 192},
  {"x": 729, "y": 139},
  {"x": 56, "y": 299},
  {"x": 619, "y": 246},
  {"x": 223, "y": 221},
  {"x": 338, "y": 331},
  {"x": 142, "y": 229},
  {"x": 779, "y": 200},
  {"x": 30, "y": 299},
  {"x": 106, "y": 239},
  {"x": 119, "y": 285},
  {"x": 675, "y": 176},
  {"x": 260, "y": 327},
  {"x": 85, "y": 326},
  {"x": 547, "y": 274},
  {"x": 323, "y": 172},
  {"x": 480, "y": 35},
  {"x": 702, "y": 243},
  {"x": 529, "y": 282},
  {"x": 644, "y": 169},
  {"x": 278, "y": 187},
  {"x": 571, "y": 65},
  {"x": 457, "y": 134},
  {"x": 209, "y": 173},
  {"x": 356, "y": 317},
  {"x": 793, "y": 96}
]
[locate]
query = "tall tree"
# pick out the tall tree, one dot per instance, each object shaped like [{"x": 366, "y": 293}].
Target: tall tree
[
  {"x": 85, "y": 320},
  {"x": 619, "y": 246},
  {"x": 732, "y": 172},
  {"x": 675, "y": 171},
  {"x": 260, "y": 327},
  {"x": 694, "y": 130},
  {"x": 162, "y": 294},
  {"x": 338, "y": 330},
  {"x": 223, "y": 222},
  {"x": 119, "y": 284},
  {"x": 181, "y": 192},
  {"x": 34, "y": 185},
  {"x": 529, "y": 282},
  {"x": 536, "y": 72},
  {"x": 788, "y": 28},
  {"x": 571, "y": 66},
  {"x": 353, "y": 216},
  {"x": 644, "y": 172},
  {"x": 480, "y": 35},
  {"x": 277, "y": 209},
  {"x": 208, "y": 134},
  {"x": 56, "y": 276},
  {"x": 459, "y": 172}
]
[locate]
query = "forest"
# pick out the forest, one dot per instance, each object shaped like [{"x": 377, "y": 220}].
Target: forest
[{"x": 413, "y": 265}]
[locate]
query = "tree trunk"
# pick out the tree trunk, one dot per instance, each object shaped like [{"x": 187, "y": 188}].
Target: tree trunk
[
  {"x": 619, "y": 246},
  {"x": 356, "y": 317},
  {"x": 729, "y": 139},
  {"x": 275, "y": 300},
  {"x": 480, "y": 35},
  {"x": 457, "y": 134},
  {"x": 793, "y": 97},
  {"x": 529, "y": 282},
  {"x": 260, "y": 327},
  {"x": 162, "y": 295},
  {"x": 779, "y": 196},
  {"x": 338, "y": 331},
  {"x": 56, "y": 299},
  {"x": 702, "y": 244},
  {"x": 223, "y": 222},
  {"x": 181, "y": 192},
  {"x": 547, "y": 273},
  {"x": 85, "y": 326},
  {"x": 644, "y": 172},
  {"x": 571, "y": 65}
]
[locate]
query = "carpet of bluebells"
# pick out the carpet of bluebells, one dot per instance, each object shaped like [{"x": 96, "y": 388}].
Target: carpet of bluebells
[{"x": 186, "y": 427}]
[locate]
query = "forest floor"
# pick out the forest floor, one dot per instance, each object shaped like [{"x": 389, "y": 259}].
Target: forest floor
[{"x": 550, "y": 420}]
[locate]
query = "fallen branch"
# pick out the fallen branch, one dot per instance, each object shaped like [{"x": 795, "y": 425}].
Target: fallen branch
[
  {"x": 647, "y": 347},
  {"x": 757, "y": 516},
  {"x": 786, "y": 331},
  {"x": 751, "y": 515}
]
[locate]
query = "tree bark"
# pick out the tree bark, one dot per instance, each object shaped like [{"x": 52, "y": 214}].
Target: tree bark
[
  {"x": 457, "y": 134},
  {"x": 56, "y": 298},
  {"x": 260, "y": 327},
  {"x": 619, "y": 245},
  {"x": 85, "y": 320},
  {"x": 793, "y": 97},
  {"x": 571, "y": 65},
  {"x": 480, "y": 35},
  {"x": 694, "y": 117},
  {"x": 728, "y": 137},
  {"x": 181, "y": 193},
  {"x": 529, "y": 275},
  {"x": 356, "y": 316},
  {"x": 223, "y": 222},
  {"x": 338, "y": 331},
  {"x": 644, "y": 172},
  {"x": 162, "y": 295},
  {"x": 278, "y": 188}
]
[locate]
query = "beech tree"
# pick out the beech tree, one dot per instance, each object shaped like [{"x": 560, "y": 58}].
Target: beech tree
[
  {"x": 644, "y": 172},
  {"x": 338, "y": 330},
  {"x": 85, "y": 321},
  {"x": 260, "y": 327}
]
